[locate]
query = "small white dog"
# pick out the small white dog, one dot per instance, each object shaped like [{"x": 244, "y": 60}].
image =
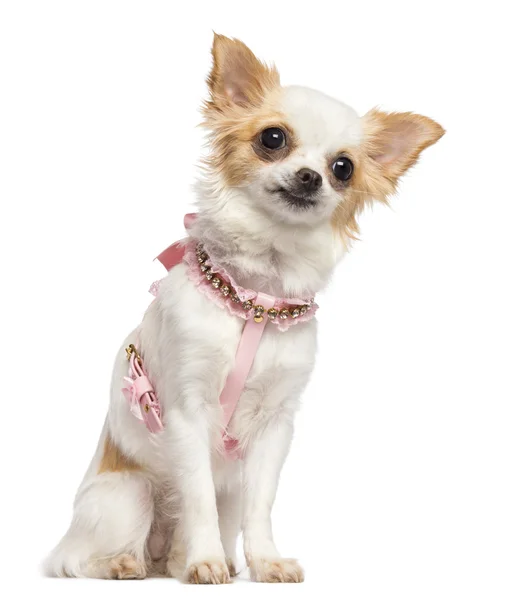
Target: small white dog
[{"x": 288, "y": 172}]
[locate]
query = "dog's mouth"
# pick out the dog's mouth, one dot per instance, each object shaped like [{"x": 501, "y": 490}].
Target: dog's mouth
[{"x": 296, "y": 200}]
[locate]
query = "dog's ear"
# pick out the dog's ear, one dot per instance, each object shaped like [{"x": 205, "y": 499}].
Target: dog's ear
[
  {"x": 394, "y": 141},
  {"x": 237, "y": 76}
]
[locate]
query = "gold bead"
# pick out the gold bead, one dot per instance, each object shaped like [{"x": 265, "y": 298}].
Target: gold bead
[
  {"x": 284, "y": 313},
  {"x": 146, "y": 408},
  {"x": 258, "y": 311},
  {"x": 272, "y": 313}
]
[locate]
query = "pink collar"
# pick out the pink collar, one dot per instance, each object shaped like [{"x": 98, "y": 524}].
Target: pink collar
[
  {"x": 223, "y": 291},
  {"x": 257, "y": 308}
]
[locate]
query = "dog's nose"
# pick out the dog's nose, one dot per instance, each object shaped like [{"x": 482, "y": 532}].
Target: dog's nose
[{"x": 311, "y": 180}]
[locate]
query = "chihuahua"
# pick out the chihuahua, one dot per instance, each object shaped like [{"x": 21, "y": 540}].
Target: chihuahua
[{"x": 288, "y": 171}]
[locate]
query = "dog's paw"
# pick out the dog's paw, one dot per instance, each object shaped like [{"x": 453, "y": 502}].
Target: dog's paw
[
  {"x": 208, "y": 572},
  {"x": 125, "y": 566},
  {"x": 276, "y": 570}
]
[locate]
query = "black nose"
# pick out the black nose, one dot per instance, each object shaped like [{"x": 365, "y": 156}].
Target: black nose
[{"x": 311, "y": 180}]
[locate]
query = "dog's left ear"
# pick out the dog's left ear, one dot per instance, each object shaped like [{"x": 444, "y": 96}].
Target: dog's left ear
[
  {"x": 394, "y": 141},
  {"x": 238, "y": 77}
]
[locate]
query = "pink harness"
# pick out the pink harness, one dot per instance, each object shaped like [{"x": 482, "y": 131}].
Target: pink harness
[{"x": 256, "y": 308}]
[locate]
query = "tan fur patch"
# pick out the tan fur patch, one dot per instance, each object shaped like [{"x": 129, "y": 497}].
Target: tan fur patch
[
  {"x": 392, "y": 144},
  {"x": 113, "y": 459},
  {"x": 244, "y": 93},
  {"x": 237, "y": 76},
  {"x": 235, "y": 147}
]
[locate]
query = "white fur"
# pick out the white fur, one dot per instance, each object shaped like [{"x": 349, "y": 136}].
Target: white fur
[
  {"x": 323, "y": 126},
  {"x": 187, "y": 492}
]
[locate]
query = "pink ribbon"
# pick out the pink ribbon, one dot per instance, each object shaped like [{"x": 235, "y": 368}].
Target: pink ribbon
[
  {"x": 141, "y": 396},
  {"x": 130, "y": 393}
]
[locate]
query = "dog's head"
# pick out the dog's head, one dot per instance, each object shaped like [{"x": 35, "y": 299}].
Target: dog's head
[{"x": 297, "y": 155}]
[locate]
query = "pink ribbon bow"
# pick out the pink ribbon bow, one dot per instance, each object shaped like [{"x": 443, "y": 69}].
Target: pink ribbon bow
[
  {"x": 130, "y": 393},
  {"x": 141, "y": 396}
]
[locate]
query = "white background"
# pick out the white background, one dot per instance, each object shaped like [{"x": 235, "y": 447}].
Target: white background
[{"x": 395, "y": 487}]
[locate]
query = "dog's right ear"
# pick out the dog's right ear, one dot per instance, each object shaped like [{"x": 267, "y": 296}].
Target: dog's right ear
[{"x": 238, "y": 78}]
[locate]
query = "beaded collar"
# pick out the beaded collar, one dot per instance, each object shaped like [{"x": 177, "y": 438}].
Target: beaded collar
[{"x": 223, "y": 291}]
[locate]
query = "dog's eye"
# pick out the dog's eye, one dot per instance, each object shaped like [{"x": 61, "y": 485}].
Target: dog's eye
[
  {"x": 342, "y": 168},
  {"x": 273, "y": 138}
]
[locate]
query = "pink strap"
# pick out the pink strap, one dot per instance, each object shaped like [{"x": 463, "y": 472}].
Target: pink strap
[
  {"x": 173, "y": 255},
  {"x": 246, "y": 352}
]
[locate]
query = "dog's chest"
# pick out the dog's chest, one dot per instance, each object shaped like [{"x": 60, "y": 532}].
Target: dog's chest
[
  {"x": 209, "y": 337},
  {"x": 281, "y": 370}
]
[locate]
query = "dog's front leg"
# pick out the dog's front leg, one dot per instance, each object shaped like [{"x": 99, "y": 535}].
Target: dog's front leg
[
  {"x": 263, "y": 461},
  {"x": 189, "y": 446}
]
